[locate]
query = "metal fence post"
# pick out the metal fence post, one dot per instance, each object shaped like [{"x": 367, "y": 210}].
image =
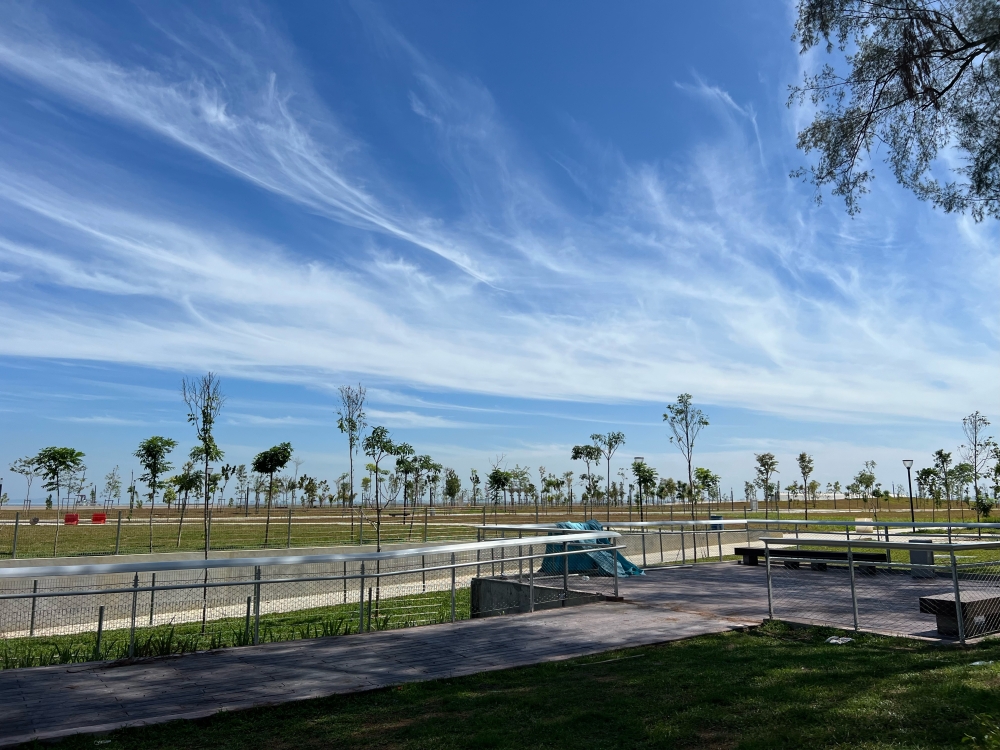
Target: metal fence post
[
  {"x": 683, "y": 551},
  {"x": 152, "y": 595},
  {"x": 100, "y": 631},
  {"x": 361, "y": 601},
  {"x": 659, "y": 533},
  {"x": 520, "y": 557},
  {"x": 642, "y": 532},
  {"x": 288, "y": 541},
  {"x": 13, "y": 546},
  {"x": 246, "y": 621},
  {"x": 959, "y": 614},
  {"x": 531, "y": 578},
  {"x": 135, "y": 602},
  {"x": 614, "y": 563},
  {"x": 854, "y": 593},
  {"x": 720, "y": 546},
  {"x": 453, "y": 587},
  {"x": 34, "y": 602},
  {"x": 208, "y": 534},
  {"x": 118, "y": 533},
  {"x": 565, "y": 549},
  {"x": 767, "y": 565},
  {"x": 256, "y": 605}
]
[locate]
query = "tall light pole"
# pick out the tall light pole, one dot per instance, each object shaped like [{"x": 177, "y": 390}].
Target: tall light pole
[{"x": 908, "y": 463}]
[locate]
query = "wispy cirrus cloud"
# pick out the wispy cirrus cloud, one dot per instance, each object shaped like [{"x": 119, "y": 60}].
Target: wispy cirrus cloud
[{"x": 689, "y": 276}]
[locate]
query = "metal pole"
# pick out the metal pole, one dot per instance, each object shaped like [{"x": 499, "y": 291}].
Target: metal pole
[
  {"x": 256, "y": 605},
  {"x": 565, "y": 549},
  {"x": 208, "y": 534},
  {"x": 34, "y": 602},
  {"x": 345, "y": 583},
  {"x": 100, "y": 631},
  {"x": 888, "y": 551},
  {"x": 959, "y": 614},
  {"x": 246, "y": 621},
  {"x": 118, "y": 533},
  {"x": 614, "y": 563},
  {"x": 423, "y": 573},
  {"x": 13, "y": 546},
  {"x": 643, "y": 532},
  {"x": 854, "y": 593},
  {"x": 152, "y": 596},
  {"x": 531, "y": 578},
  {"x": 288, "y": 541},
  {"x": 361, "y": 601},
  {"x": 453, "y": 587},
  {"x": 720, "y": 546},
  {"x": 909, "y": 482},
  {"x": 659, "y": 532},
  {"x": 135, "y": 602},
  {"x": 683, "y": 551},
  {"x": 767, "y": 564}
]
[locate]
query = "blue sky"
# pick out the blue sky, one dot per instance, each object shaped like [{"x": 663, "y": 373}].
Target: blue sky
[{"x": 517, "y": 224}]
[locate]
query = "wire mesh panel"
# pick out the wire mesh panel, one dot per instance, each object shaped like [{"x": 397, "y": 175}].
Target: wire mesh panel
[
  {"x": 106, "y": 612},
  {"x": 904, "y": 588}
]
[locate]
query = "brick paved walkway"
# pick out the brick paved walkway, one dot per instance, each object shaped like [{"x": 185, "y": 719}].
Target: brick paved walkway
[{"x": 50, "y": 702}]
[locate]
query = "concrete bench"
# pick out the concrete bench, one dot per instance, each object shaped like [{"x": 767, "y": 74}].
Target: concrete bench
[
  {"x": 980, "y": 612},
  {"x": 751, "y": 555}
]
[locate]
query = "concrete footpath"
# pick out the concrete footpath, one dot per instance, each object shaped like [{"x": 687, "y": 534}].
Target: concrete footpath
[{"x": 52, "y": 702}]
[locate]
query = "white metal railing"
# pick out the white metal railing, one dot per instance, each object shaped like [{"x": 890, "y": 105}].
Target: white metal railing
[{"x": 399, "y": 572}]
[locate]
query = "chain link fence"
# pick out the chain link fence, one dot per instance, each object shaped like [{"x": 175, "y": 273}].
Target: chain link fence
[
  {"x": 71, "y": 613},
  {"x": 917, "y": 587}
]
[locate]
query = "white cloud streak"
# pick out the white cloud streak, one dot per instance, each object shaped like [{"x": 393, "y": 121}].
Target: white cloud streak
[{"x": 686, "y": 281}]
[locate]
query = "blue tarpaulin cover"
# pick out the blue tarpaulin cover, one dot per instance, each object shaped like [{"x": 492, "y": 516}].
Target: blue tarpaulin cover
[{"x": 595, "y": 562}]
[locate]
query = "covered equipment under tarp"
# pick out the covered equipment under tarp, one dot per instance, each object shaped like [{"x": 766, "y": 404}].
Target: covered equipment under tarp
[{"x": 596, "y": 562}]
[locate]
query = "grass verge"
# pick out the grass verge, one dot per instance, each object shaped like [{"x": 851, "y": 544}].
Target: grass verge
[{"x": 771, "y": 687}]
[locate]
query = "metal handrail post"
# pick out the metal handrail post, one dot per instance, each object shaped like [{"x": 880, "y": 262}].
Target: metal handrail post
[
  {"x": 642, "y": 533},
  {"x": 256, "y": 606},
  {"x": 959, "y": 614},
  {"x": 135, "y": 602},
  {"x": 767, "y": 564},
  {"x": 34, "y": 603},
  {"x": 520, "y": 554},
  {"x": 683, "y": 551},
  {"x": 152, "y": 598},
  {"x": 531, "y": 578},
  {"x": 246, "y": 621},
  {"x": 720, "y": 546},
  {"x": 565, "y": 549},
  {"x": 100, "y": 631},
  {"x": 854, "y": 593},
  {"x": 13, "y": 546},
  {"x": 659, "y": 533},
  {"x": 614, "y": 563},
  {"x": 361, "y": 601},
  {"x": 453, "y": 587},
  {"x": 288, "y": 541},
  {"x": 118, "y": 533}
]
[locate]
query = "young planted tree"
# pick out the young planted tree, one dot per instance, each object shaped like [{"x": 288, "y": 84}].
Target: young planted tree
[
  {"x": 27, "y": 468},
  {"x": 57, "y": 467},
  {"x": 645, "y": 479},
  {"x": 204, "y": 399},
  {"x": 686, "y": 423},
  {"x": 976, "y": 452},
  {"x": 351, "y": 422},
  {"x": 942, "y": 465},
  {"x": 589, "y": 454},
  {"x": 474, "y": 480},
  {"x": 452, "y": 485},
  {"x": 152, "y": 454},
  {"x": 112, "y": 491},
  {"x": 377, "y": 446},
  {"x": 767, "y": 466},
  {"x": 268, "y": 463},
  {"x": 608, "y": 444},
  {"x": 805, "y": 469}
]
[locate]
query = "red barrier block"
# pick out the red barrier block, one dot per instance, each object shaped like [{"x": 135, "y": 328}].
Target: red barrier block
[
  {"x": 99, "y": 518},
  {"x": 72, "y": 519}
]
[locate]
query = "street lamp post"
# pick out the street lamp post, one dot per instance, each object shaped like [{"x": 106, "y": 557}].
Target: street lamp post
[{"x": 908, "y": 463}]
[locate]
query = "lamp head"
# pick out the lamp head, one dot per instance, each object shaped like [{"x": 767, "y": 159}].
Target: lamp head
[{"x": 907, "y": 462}]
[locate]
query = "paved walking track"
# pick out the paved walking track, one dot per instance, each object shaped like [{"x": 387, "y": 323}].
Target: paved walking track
[{"x": 665, "y": 605}]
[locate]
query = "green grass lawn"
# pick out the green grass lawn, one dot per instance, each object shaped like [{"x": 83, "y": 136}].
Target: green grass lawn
[{"x": 771, "y": 687}]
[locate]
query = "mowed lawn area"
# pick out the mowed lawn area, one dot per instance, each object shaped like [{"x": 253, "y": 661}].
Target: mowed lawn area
[{"x": 768, "y": 687}]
